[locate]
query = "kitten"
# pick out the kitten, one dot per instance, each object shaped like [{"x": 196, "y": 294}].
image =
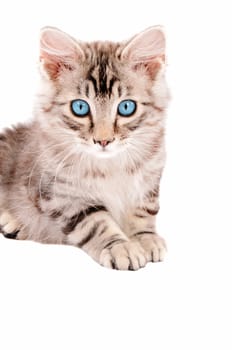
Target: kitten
[{"x": 86, "y": 170}]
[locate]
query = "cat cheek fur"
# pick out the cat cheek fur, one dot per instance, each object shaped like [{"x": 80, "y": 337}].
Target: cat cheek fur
[{"x": 91, "y": 182}]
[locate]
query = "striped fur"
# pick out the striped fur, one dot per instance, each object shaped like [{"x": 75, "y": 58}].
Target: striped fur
[{"x": 57, "y": 184}]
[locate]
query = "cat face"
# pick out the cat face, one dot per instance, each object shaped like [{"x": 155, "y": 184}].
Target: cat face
[{"x": 106, "y": 98}]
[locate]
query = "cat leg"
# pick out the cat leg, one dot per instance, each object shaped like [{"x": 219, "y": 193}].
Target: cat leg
[
  {"x": 141, "y": 228},
  {"x": 9, "y": 227},
  {"x": 153, "y": 244},
  {"x": 98, "y": 235}
]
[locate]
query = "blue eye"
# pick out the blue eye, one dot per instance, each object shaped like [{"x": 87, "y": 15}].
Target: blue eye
[
  {"x": 80, "y": 108},
  {"x": 126, "y": 108}
]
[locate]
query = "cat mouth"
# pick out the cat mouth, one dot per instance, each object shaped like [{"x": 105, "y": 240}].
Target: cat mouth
[
  {"x": 98, "y": 151},
  {"x": 105, "y": 152}
]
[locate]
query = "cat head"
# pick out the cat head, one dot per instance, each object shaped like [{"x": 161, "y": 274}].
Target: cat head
[{"x": 107, "y": 99}]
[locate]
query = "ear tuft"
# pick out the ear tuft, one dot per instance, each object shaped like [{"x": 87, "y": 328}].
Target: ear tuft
[
  {"x": 57, "y": 50},
  {"x": 147, "y": 49}
]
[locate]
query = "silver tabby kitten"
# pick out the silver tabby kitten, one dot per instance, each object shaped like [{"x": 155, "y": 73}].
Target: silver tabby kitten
[{"x": 86, "y": 170}]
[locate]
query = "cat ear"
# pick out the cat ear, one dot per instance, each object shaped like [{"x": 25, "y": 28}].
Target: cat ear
[
  {"x": 57, "y": 51},
  {"x": 147, "y": 49}
]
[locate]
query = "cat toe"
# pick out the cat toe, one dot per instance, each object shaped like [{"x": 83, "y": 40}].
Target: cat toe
[
  {"x": 12, "y": 235},
  {"x": 154, "y": 246},
  {"x": 8, "y": 226},
  {"x": 124, "y": 256}
]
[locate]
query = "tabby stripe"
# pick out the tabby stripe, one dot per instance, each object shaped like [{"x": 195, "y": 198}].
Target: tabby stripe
[
  {"x": 57, "y": 103},
  {"x": 136, "y": 124},
  {"x": 77, "y": 218},
  {"x": 111, "y": 84},
  {"x": 101, "y": 85},
  {"x": 55, "y": 214},
  {"x": 63, "y": 181},
  {"x": 140, "y": 216},
  {"x": 45, "y": 193},
  {"x": 144, "y": 233},
  {"x": 103, "y": 78},
  {"x": 159, "y": 109},
  {"x": 65, "y": 195},
  {"x": 103, "y": 230},
  {"x": 133, "y": 126},
  {"x": 150, "y": 211},
  {"x": 153, "y": 194},
  {"x": 151, "y": 104},
  {"x": 112, "y": 242},
  {"x": 3, "y": 138},
  {"x": 87, "y": 90},
  {"x": 119, "y": 91},
  {"x": 94, "y": 82},
  {"x": 90, "y": 235},
  {"x": 71, "y": 124}
]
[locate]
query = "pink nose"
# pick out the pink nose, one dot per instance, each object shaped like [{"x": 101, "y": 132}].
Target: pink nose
[{"x": 103, "y": 143}]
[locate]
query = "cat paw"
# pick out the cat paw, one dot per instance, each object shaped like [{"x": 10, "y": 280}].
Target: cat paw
[
  {"x": 154, "y": 246},
  {"x": 8, "y": 226},
  {"x": 124, "y": 256}
]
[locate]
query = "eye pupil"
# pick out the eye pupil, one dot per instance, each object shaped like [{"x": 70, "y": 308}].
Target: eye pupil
[
  {"x": 126, "y": 108},
  {"x": 80, "y": 108}
]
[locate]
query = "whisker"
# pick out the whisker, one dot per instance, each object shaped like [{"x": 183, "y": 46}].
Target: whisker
[
  {"x": 42, "y": 158},
  {"x": 59, "y": 167}
]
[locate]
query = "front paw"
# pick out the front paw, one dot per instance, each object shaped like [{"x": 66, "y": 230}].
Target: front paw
[
  {"x": 154, "y": 245},
  {"x": 9, "y": 226},
  {"x": 123, "y": 256}
]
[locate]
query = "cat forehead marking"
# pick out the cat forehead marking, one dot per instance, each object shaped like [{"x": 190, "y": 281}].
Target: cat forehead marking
[{"x": 102, "y": 73}]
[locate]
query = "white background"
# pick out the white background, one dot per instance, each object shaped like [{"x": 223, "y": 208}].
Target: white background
[{"x": 56, "y": 297}]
